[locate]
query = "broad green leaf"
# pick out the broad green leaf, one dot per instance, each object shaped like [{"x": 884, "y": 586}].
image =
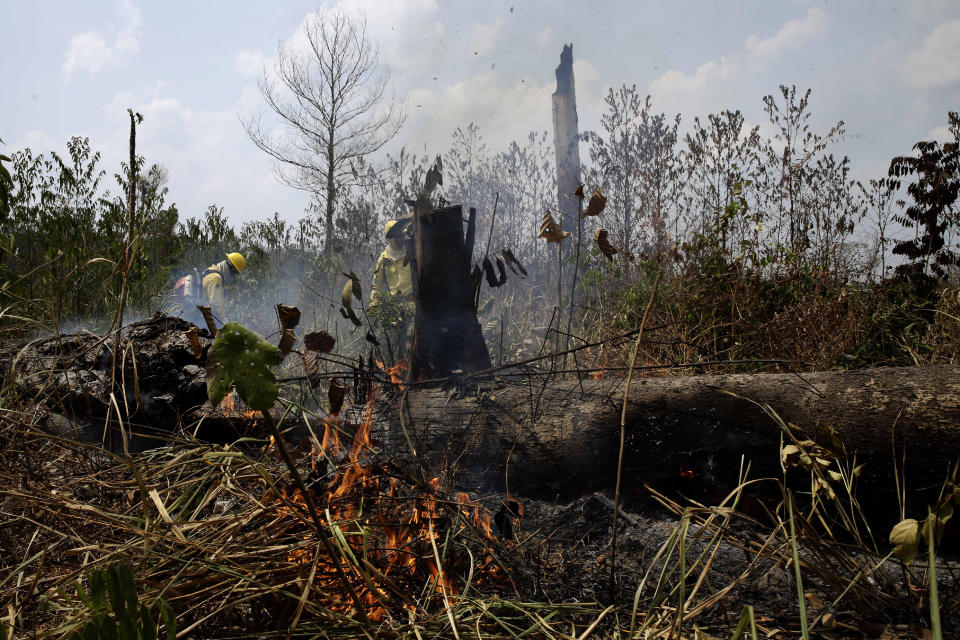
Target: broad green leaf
[{"x": 241, "y": 359}]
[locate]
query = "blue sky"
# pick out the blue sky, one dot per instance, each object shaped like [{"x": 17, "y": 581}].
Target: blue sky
[{"x": 890, "y": 70}]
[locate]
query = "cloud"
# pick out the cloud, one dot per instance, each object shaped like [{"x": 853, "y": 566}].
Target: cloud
[
  {"x": 718, "y": 83},
  {"x": 484, "y": 37},
  {"x": 91, "y": 52},
  {"x": 36, "y": 140},
  {"x": 937, "y": 62},
  {"x": 249, "y": 63},
  {"x": 206, "y": 152},
  {"x": 545, "y": 38},
  {"x": 504, "y": 110},
  {"x": 791, "y": 36}
]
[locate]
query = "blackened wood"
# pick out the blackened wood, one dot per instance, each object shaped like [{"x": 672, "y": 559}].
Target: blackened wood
[
  {"x": 564, "y": 442},
  {"x": 447, "y": 336}
]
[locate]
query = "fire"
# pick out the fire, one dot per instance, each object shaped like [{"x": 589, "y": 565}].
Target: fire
[
  {"x": 228, "y": 407},
  {"x": 396, "y": 528},
  {"x": 397, "y": 372},
  {"x": 598, "y": 374}
]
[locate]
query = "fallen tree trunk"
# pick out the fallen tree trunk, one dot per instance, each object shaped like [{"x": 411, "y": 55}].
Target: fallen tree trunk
[
  {"x": 554, "y": 439},
  {"x": 545, "y": 438}
]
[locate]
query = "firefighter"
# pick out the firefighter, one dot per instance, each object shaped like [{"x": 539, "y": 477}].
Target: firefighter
[
  {"x": 207, "y": 288},
  {"x": 391, "y": 294}
]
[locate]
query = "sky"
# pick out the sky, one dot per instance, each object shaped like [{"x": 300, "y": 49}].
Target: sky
[{"x": 890, "y": 70}]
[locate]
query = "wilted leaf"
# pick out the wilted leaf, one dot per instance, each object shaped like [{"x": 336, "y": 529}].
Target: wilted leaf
[
  {"x": 596, "y": 205},
  {"x": 579, "y": 192},
  {"x": 241, "y": 359},
  {"x": 513, "y": 262},
  {"x": 492, "y": 279},
  {"x": 312, "y": 368},
  {"x": 207, "y": 314},
  {"x": 336, "y": 391},
  {"x": 905, "y": 536},
  {"x": 319, "y": 341},
  {"x": 193, "y": 336},
  {"x": 289, "y": 316},
  {"x": 476, "y": 274},
  {"x": 346, "y": 297},
  {"x": 434, "y": 177},
  {"x": 351, "y": 316},
  {"x": 355, "y": 289},
  {"x": 286, "y": 342},
  {"x": 603, "y": 243},
  {"x": 550, "y": 230}
]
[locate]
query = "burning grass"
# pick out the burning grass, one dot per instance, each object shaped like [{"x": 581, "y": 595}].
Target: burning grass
[{"x": 225, "y": 536}]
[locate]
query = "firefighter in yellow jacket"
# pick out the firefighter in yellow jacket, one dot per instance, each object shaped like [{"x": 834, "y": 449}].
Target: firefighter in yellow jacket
[
  {"x": 217, "y": 275},
  {"x": 207, "y": 288},
  {"x": 393, "y": 275},
  {"x": 391, "y": 294}
]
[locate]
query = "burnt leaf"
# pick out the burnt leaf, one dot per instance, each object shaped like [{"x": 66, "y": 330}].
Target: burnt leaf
[
  {"x": 579, "y": 192},
  {"x": 319, "y": 341},
  {"x": 241, "y": 359},
  {"x": 603, "y": 243},
  {"x": 336, "y": 391},
  {"x": 286, "y": 342},
  {"x": 312, "y": 368},
  {"x": 550, "y": 230},
  {"x": 513, "y": 263},
  {"x": 289, "y": 316},
  {"x": 193, "y": 336},
  {"x": 488, "y": 272},
  {"x": 356, "y": 290},
  {"x": 350, "y": 289},
  {"x": 597, "y": 204},
  {"x": 501, "y": 273},
  {"x": 372, "y": 339}
]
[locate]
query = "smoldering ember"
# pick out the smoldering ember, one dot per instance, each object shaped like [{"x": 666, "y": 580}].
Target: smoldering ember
[{"x": 641, "y": 375}]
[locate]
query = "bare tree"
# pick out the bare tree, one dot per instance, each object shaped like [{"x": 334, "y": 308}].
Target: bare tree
[{"x": 331, "y": 98}]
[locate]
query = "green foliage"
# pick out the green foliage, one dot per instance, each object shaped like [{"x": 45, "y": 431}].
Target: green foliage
[
  {"x": 116, "y": 612},
  {"x": 934, "y": 192},
  {"x": 6, "y": 186},
  {"x": 241, "y": 359}
]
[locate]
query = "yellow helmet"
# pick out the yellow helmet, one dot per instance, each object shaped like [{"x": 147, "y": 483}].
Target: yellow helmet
[
  {"x": 238, "y": 262},
  {"x": 387, "y": 229}
]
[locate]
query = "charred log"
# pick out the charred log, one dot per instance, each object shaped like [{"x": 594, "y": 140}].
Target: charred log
[
  {"x": 564, "y": 441},
  {"x": 447, "y": 338}
]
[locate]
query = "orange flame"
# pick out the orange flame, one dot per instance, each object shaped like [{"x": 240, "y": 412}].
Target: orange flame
[
  {"x": 397, "y": 372},
  {"x": 393, "y": 525}
]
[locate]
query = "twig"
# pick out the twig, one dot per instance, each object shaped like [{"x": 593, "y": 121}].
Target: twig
[{"x": 623, "y": 436}]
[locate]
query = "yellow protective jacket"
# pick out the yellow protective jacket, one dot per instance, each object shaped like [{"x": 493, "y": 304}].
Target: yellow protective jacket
[
  {"x": 213, "y": 280},
  {"x": 391, "y": 278}
]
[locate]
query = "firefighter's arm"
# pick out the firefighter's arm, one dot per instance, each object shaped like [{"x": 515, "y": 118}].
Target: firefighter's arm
[
  {"x": 377, "y": 286},
  {"x": 213, "y": 287}
]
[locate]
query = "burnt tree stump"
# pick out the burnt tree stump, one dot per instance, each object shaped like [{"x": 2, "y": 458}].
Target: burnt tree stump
[{"x": 447, "y": 335}]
